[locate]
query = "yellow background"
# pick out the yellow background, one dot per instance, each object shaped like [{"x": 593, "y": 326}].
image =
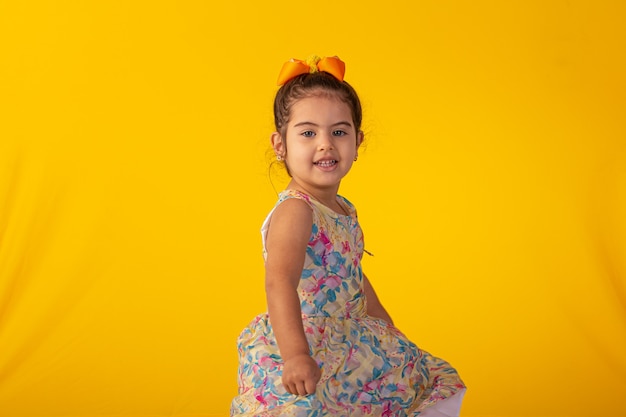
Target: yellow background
[{"x": 134, "y": 180}]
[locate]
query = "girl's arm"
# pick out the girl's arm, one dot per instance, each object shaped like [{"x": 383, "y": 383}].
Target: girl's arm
[
  {"x": 286, "y": 242},
  {"x": 374, "y": 306}
]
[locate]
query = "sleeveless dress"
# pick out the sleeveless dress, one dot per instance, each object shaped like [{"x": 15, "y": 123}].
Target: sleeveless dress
[{"x": 369, "y": 368}]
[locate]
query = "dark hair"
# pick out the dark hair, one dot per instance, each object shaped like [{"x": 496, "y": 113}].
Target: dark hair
[{"x": 311, "y": 84}]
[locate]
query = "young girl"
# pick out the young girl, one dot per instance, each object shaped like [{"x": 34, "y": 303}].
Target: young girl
[{"x": 327, "y": 346}]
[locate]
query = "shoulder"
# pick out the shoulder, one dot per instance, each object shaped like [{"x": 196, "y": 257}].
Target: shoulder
[
  {"x": 345, "y": 200},
  {"x": 293, "y": 212},
  {"x": 290, "y": 226},
  {"x": 293, "y": 209},
  {"x": 348, "y": 204}
]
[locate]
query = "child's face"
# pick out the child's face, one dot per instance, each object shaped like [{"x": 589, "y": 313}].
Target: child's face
[{"x": 321, "y": 142}]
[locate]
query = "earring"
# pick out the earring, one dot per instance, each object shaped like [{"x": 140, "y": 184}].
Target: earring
[
  {"x": 356, "y": 157},
  {"x": 279, "y": 158}
]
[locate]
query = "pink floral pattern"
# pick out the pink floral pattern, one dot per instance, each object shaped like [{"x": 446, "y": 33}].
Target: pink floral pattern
[{"x": 369, "y": 368}]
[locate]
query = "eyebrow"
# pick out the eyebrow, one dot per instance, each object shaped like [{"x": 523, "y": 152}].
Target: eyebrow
[{"x": 342, "y": 123}]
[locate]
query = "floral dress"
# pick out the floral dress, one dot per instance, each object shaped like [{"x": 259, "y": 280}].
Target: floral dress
[{"x": 369, "y": 368}]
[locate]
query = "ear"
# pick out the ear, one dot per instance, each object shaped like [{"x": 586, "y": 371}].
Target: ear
[
  {"x": 359, "y": 139},
  {"x": 277, "y": 144}
]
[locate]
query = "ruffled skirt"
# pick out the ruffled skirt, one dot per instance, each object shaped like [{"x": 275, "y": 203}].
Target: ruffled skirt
[{"x": 369, "y": 368}]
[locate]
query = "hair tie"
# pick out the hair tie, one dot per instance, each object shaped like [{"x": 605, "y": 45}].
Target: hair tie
[{"x": 294, "y": 67}]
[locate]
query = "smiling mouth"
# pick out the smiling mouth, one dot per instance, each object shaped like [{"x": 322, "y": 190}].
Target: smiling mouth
[{"x": 325, "y": 163}]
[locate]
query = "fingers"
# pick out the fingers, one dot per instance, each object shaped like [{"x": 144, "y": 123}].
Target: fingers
[
  {"x": 291, "y": 388},
  {"x": 301, "y": 388},
  {"x": 301, "y": 375},
  {"x": 309, "y": 386}
]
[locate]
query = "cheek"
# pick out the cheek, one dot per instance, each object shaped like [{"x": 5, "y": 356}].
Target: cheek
[{"x": 349, "y": 148}]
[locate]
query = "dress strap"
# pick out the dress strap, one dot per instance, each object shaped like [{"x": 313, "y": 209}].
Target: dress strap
[{"x": 289, "y": 193}]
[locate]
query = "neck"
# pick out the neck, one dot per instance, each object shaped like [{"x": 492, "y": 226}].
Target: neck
[{"x": 326, "y": 196}]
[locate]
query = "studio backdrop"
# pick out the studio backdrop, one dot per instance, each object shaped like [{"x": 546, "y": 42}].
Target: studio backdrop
[{"x": 134, "y": 178}]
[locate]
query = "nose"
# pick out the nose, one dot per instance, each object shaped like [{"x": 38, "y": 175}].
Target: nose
[{"x": 325, "y": 141}]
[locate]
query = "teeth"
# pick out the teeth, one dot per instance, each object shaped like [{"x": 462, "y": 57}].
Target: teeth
[{"x": 326, "y": 163}]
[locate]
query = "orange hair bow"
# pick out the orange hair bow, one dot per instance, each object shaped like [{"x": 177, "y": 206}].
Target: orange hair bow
[{"x": 294, "y": 67}]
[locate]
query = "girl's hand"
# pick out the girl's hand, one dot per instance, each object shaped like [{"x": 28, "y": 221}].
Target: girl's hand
[{"x": 301, "y": 374}]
